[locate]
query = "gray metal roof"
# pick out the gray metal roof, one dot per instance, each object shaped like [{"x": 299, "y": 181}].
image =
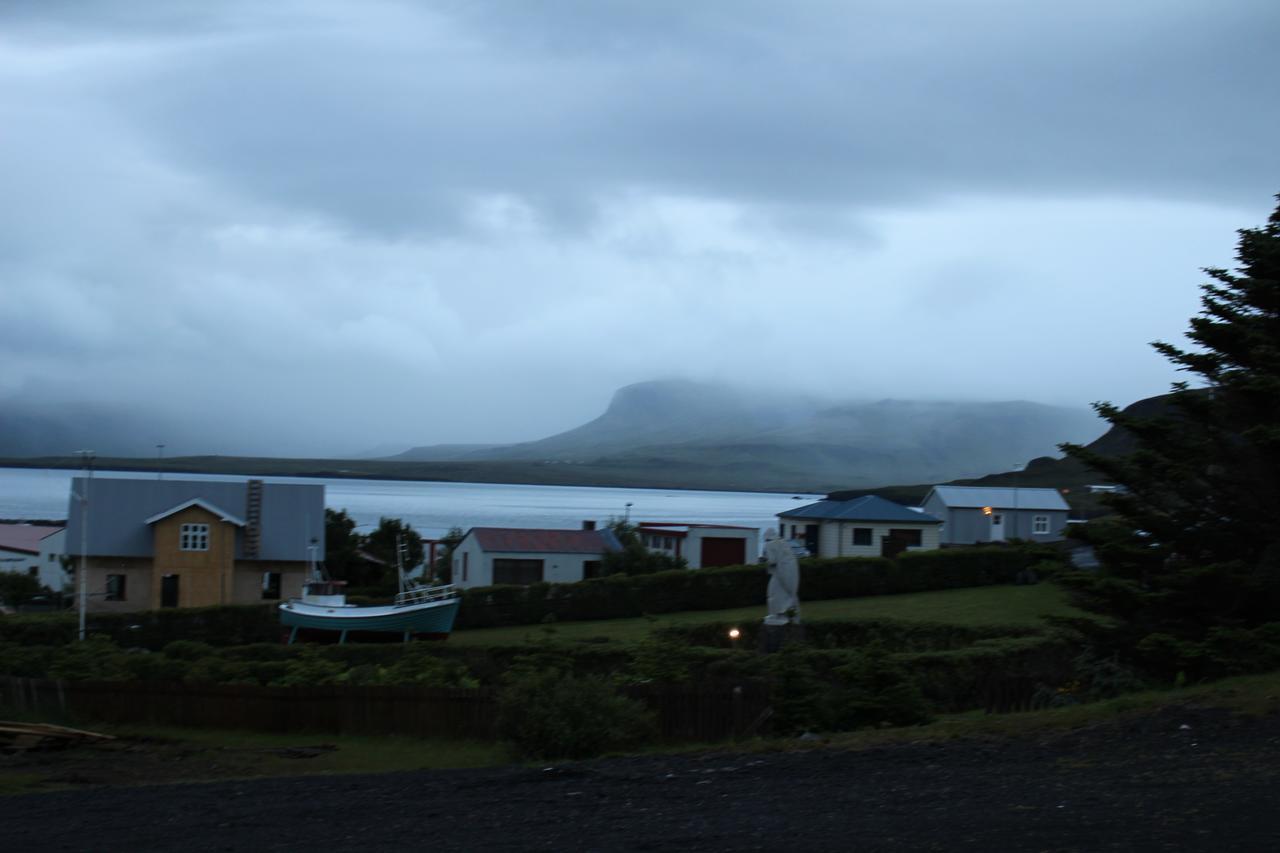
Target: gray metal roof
[
  {"x": 292, "y": 514},
  {"x": 865, "y": 508},
  {"x": 965, "y": 497}
]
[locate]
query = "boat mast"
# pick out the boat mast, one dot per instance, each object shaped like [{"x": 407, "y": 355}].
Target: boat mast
[{"x": 400, "y": 560}]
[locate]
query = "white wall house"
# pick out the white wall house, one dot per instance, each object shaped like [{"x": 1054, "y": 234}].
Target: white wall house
[
  {"x": 506, "y": 555},
  {"x": 35, "y": 550},
  {"x": 868, "y": 526},
  {"x": 977, "y": 514},
  {"x": 703, "y": 546}
]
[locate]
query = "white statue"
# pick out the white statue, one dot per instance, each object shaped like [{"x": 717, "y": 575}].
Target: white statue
[{"x": 784, "y": 580}]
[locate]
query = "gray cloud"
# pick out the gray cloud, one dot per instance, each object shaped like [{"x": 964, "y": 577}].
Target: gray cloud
[{"x": 406, "y": 221}]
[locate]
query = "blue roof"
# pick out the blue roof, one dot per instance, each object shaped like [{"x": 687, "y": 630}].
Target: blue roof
[{"x": 865, "y": 508}]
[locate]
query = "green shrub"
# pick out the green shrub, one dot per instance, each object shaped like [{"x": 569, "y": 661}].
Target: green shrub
[{"x": 549, "y": 714}]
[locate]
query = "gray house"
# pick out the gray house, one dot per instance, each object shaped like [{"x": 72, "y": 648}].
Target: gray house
[
  {"x": 976, "y": 514},
  {"x": 869, "y": 526}
]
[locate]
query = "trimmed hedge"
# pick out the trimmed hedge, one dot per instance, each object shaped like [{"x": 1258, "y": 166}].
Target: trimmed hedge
[
  {"x": 151, "y": 629},
  {"x": 613, "y": 597},
  {"x": 622, "y": 596}
]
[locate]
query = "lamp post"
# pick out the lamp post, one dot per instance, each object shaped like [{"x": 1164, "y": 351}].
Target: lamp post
[{"x": 83, "y": 580}]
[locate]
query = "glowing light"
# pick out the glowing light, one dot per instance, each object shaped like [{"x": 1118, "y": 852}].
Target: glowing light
[
  {"x": 734, "y": 633},
  {"x": 986, "y": 510}
]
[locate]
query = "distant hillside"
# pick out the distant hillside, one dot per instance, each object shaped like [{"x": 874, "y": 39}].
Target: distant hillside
[
  {"x": 678, "y": 434},
  {"x": 677, "y": 429},
  {"x": 1064, "y": 474},
  {"x": 31, "y": 431}
]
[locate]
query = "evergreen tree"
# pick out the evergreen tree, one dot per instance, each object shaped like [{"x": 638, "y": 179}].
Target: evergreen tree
[
  {"x": 382, "y": 543},
  {"x": 1194, "y": 547}
]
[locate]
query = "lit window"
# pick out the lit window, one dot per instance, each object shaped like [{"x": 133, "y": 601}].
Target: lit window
[
  {"x": 194, "y": 537},
  {"x": 1040, "y": 524}
]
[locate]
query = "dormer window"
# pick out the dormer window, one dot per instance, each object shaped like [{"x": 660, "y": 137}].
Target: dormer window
[{"x": 194, "y": 537}]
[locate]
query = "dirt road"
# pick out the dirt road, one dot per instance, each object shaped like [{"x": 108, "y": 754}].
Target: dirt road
[{"x": 1181, "y": 779}]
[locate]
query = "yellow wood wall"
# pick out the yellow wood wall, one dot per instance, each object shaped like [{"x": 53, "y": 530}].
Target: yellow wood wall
[{"x": 205, "y": 577}]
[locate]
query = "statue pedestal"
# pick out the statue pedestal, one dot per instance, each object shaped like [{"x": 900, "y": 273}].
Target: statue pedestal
[{"x": 774, "y": 637}]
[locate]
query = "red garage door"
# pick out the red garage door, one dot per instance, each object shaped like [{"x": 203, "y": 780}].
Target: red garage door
[{"x": 723, "y": 551}]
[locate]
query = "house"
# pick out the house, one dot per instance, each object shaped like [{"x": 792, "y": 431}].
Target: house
[
  {"x": 975, "y": 514},
  {"x": 702, "y": 545},
  {"x": 153, "y": 543},
  {"x": 35, "y": 550},
  {"x": 868, "y": 526},
  {"x": 507, "y": 555}
]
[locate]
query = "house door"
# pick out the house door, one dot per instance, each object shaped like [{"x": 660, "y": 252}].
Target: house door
[
  {"x": 723, "y": 551},
  {"x": 169, "y": 591},
  {"x": 811, "y": 539},
  {"x": 997, "y": 527}
]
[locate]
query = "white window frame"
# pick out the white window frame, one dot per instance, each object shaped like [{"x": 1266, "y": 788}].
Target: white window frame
[
  {"x": 1040, "y": 525},
  {"x": 193, "y": 537}
]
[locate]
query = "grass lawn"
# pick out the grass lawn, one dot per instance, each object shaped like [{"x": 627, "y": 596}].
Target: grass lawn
[{"x": 1000, "y": 605}]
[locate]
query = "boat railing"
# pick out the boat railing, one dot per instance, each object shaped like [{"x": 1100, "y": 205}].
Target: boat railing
[{"x": 420, "y": 594}]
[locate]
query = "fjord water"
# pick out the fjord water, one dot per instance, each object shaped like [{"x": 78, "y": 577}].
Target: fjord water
[{"x": 433, "y": 508}]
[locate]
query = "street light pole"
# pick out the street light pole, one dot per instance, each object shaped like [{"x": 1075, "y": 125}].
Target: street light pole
[{"x": 87, "y": 457}]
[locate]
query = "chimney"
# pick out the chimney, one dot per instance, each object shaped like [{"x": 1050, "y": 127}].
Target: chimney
[
  {"x": 588, "y": 525},
  {"x": 253, "y": 520}
]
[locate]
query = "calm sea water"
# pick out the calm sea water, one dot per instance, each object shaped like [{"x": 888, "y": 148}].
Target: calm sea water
[{"x": 433, "y": 508}]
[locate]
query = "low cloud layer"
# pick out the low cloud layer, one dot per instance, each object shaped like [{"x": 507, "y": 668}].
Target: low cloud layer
[{"x": 318, "y": 228}]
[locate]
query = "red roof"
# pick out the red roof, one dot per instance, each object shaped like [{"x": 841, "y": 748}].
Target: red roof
[
  {"x": 24, "y": 537},
  {"x": 545, "y": 541}
]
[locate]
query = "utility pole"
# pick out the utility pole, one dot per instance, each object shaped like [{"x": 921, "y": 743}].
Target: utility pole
[
  {"x": 159, "y": 461},
  {"x": 83, "y": 581}
]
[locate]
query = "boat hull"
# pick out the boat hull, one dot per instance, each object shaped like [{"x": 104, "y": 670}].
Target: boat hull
[{"x": 431, "y": 617}]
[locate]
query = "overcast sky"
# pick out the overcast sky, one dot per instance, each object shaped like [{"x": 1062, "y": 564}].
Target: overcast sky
[{"x": 324, "y": 227}]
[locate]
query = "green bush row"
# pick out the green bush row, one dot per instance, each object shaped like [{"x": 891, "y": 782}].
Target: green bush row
[
  {"x": 613, "y": 597},
  {"x": 99, "y": 659},
  {"x": 151, "y": 629},
  {"x": 622, "y": 596}
]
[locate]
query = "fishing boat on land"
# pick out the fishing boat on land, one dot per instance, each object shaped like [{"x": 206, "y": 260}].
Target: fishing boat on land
[{"x": 417, "y": 611}]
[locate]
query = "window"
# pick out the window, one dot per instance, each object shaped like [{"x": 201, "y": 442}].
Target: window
[
  {"x": 516, "y": 571},
  {"x": 271, "y": 586},
  {"x": 997, "y": 519},
  {"x": 862, "y": 535},
  {"x": 52, "y": 557},
  {"x": 116, "y": 587},
  {"x": 1040, "y": 524},
  {"x": 194, "y": 537}
]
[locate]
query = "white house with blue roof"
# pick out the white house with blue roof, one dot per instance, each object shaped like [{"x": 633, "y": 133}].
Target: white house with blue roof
[{"x": 869, "y": 526}]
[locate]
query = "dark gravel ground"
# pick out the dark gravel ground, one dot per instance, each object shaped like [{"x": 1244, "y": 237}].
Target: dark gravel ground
[{"x": 1179, "y": 779}]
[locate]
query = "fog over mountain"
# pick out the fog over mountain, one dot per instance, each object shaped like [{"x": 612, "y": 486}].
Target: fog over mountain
[{"x": 677, "y": 425}]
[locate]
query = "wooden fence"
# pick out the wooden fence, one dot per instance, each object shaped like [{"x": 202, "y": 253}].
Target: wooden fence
[{"x": 683, "y": 713}]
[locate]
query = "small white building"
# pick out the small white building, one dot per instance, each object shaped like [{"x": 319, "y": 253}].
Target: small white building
[
  {"x": 34, "y": 550},
  {"x": 974, "y": 515},
  {"x": 507, "y": 555},
  {"x": 869, "y": 526},
  {"x": 702, "y": 546}
]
